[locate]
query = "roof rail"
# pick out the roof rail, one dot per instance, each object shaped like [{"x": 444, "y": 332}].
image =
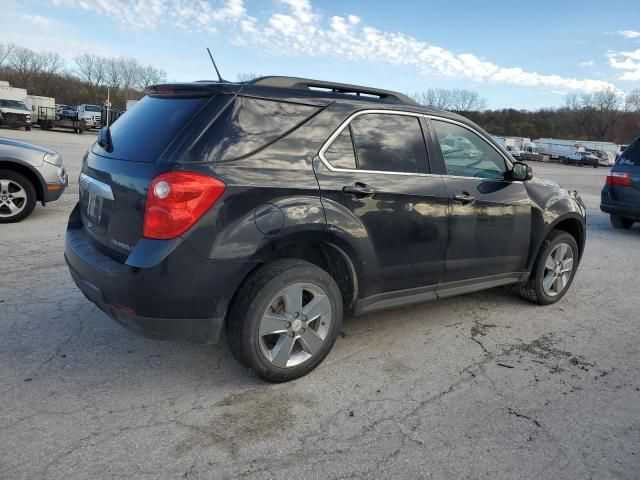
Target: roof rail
[{"x": 309, "y": 84}]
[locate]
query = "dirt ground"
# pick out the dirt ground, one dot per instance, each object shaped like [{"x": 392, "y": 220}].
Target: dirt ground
[{"x": 478, "y": 386}]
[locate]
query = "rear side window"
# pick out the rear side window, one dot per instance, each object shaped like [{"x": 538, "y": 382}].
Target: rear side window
[
  {"x": 145, "y": 131},
  {"x": 631, "y": 156},
  {"x": 383, "y": 142},
  {"x": 249, "y": 124},
  {"x": 340, "y": 153}
]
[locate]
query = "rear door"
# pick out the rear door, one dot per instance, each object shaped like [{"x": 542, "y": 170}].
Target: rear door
[
  {"x": 374, "y": 173},
  {"x": 490, "y": 223}
]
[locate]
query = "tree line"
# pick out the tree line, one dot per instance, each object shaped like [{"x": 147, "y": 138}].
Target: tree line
[
  {"x": 604, "y": 115},
  {"x": 85, "y": 80}
]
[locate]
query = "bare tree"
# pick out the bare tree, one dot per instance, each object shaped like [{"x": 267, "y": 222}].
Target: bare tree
[
  {"x": 632, "y": 101},
  {"x": 150, "y": 75},
  {"x": 51, "y": 63},
  {"x": 5, "y": 52},
  {"x": 245, "y": 77},
  {"x": 25, "y": 63},
  {"x": 91, "y": 69},
  {"x": 458, "y": 100},
  {"x": 467, "y": 101}
]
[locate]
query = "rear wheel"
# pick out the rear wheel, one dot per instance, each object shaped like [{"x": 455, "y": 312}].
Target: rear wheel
[
  {"x": 285, "y": 319},
  {"x": 17, "y": 197},
  {"x": 28, "y": 129},
  {"x": 620, "y": 222},
  {"x": 553, "y": 270}
]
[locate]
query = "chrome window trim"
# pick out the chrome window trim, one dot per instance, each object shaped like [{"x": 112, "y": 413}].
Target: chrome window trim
[
  {"x": 355, "y": 115},
  {"x": 344, "y": 124}
]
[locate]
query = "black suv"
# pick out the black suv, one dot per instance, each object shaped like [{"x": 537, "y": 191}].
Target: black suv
[
  {"x": 270, "y": 209},
  {"x": 621, "y": 194}
]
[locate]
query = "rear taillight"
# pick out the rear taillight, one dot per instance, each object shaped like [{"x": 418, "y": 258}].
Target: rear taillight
[
  {"x": 620, "y": 179},
  {"x": 176, "y": 200}
]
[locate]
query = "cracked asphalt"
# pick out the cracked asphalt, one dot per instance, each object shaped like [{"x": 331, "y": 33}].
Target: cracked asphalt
[{"x": 479, "y": 386}]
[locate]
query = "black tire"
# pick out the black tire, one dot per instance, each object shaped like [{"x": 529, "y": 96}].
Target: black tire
[
  {"x": 532, "y": 289},
  {"x": 595, "y": 165},
  {"x": 253, "y": 299},
  {"x": 581, "y": 163},
  {"x": 620, "y": 222},
  {"x": 30, "y": 201},
  {"x": 28, "y": 129}
]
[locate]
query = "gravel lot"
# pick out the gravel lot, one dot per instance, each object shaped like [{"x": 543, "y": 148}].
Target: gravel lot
[{"x": 480, "y": 386}]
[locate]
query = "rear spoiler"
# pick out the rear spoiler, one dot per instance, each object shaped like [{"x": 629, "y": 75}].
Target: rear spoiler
[{"x": 193, "y": 88}]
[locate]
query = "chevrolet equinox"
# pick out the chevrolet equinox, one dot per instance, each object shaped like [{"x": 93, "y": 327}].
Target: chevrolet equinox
[{"x": 268, "y": 210}]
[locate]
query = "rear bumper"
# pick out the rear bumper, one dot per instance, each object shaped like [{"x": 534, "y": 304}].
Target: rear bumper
[
  {"x": 621, "y": 210},
  {"x": 626, "y": 210},
  {"x": 184, "y": 296}
]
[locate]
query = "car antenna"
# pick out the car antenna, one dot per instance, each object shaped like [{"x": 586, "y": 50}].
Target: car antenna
[{"x": 220, "y": 79}]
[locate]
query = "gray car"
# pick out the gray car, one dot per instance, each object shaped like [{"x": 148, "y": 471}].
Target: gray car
[{"x": 28, "y": 174}]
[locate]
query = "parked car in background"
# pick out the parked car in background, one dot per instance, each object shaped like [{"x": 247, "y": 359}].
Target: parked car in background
[
  {"x": 272, "y": 208},
  {"x": 621, "y": 194},
  {"x": 582, "y": 158},
  {"x": 515, "y": 152},
  {"x": 91, "y": 114},
  {"x": 28, "y": 174},
  {"x": 14, "y": 114}
]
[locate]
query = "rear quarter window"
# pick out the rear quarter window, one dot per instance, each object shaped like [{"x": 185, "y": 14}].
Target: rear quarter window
[{"x": 249, "y": 124}]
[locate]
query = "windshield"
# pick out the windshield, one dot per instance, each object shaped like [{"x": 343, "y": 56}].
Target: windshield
[
  {"x": 13, "y": 104},
  {"x": 92, "y": 108}
]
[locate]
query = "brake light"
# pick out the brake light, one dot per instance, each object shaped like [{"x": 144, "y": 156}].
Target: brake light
[
  {"x": 176, "y": 201},
  {"x": 620, "y": 179}
]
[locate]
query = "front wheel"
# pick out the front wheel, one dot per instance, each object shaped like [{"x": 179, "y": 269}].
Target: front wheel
[
  {"x": 620, "y": 222},
  {"x": 553, "y": 270},
  {"x": 285, "y": 319},
  {"x": 17, "y": 197}
]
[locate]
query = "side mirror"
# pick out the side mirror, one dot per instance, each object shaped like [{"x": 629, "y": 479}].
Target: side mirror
[{"x": 521, "y": 171}]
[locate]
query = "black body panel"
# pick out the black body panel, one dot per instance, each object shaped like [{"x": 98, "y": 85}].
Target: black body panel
[{"x": 406, "y": 240}]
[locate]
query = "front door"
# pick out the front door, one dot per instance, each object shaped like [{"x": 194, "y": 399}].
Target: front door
[
  {"x": 490, "y": 223},
  {"x": 376, "y": 191}
]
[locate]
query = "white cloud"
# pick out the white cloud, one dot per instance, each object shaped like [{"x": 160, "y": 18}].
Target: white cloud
[
  {"x": 587, "y": 63},
  {"x": 295, "y": 28},
  {"x": 628, "y": 62},
  {"x": 629, "y": 33}
]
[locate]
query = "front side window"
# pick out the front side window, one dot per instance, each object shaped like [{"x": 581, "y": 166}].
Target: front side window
[
  {"x": 383, "y": 142},
  {"x": 466, "y": 154}
]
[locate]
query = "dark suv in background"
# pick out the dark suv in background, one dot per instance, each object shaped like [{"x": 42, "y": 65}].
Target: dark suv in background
[
  {"x": 621, "y": 193},
  {"x": 270, "y": 209}
]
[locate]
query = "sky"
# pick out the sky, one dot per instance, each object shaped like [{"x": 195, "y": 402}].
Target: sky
[{"x": 527, "y": 55}]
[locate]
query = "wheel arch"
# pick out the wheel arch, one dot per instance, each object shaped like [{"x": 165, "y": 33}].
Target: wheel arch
[
  {"x": 336, "y": 259},
  {"x": 574, "y": 226},
  {"x": 30, "y": 173}
]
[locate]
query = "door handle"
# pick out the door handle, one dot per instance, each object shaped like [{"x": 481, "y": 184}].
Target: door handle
[
  {"x": 359, "y": 189},
  {"x": 464, "y": 198}
]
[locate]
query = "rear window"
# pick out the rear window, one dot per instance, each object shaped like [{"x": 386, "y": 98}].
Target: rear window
[
  {"x": 631, "y": 155},
  {"x": 249, "y": 124},
  {"x": 144, "y": 132}
]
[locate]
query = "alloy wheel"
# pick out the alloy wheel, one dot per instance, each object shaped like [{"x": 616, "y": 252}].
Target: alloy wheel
[
  {"x": 295, "y": 325},
  {"x": 557, "y": 270},
  {"x": 13, "y": 198}
]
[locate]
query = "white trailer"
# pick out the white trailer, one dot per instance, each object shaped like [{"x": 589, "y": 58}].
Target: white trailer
[
  {"x": 34, "y": 101},
  {"x": 562, "y": 148}
]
